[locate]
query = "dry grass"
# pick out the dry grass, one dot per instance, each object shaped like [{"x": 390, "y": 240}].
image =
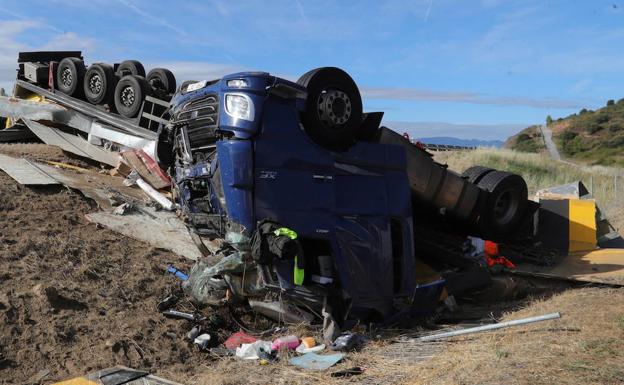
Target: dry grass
[
  {"x": 586, "y": 346},
  {"x": 540, "y": 172}
]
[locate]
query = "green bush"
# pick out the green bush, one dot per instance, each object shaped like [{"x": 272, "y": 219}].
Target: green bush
[
  {"x": 593, "y": 128},
  {"x": 614, "y": 127},
  {"x": 523, "y": 137},
  {"x": 610, "y": 102}
]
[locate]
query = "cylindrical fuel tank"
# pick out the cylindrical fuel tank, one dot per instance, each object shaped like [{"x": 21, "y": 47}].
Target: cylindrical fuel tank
[{"x": 433, "y": 183}]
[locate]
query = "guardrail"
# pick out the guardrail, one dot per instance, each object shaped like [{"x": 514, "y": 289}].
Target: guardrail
[{"x": 443, "y": 147}]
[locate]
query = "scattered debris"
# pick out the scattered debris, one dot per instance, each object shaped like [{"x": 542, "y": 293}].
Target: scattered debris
[
  {"x": 348, "y": 342},
  {"x": 237, "y": 339},
  {"x": 313, "y": 361},
  {"x": 252, "y": 351},
  {"x": 289, "y": 342}
]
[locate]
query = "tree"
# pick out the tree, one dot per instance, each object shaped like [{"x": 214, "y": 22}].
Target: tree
[
  {"x": 549, "y": 120},
  {"x": 610, "y": 102}
]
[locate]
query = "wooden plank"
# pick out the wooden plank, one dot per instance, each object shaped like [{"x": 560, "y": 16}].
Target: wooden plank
[
  {"x": 158, "y": 228},
  {"x": 597, "y": 266},
  {"x": 25, "y": 172}
]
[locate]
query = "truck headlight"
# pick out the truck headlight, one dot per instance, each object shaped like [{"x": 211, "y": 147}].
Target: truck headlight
[{"x": 239, "y": 106}]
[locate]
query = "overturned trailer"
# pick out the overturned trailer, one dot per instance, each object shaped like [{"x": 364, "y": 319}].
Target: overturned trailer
[{"x": 311, "y": 202}]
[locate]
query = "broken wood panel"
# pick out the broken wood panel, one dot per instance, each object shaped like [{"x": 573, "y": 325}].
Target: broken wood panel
[
  {"x": 597, "y": 266},
  {"x": 158, "y": 228},
  {"x": 25, "y": 172}
]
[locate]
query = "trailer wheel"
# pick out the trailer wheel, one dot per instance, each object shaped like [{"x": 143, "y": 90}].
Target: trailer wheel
[
  {"x": 505, "y": 205},
  {"x": 474, "y": 174},
  {"x": 129, "y": 95},
  {"x": 162, "y": 79},
  {"x": 333, "y": 108},
  {"x": 131, "y": 67},
  {"x": 99, "y": 83},
  {"x": 69, "y": 75}
]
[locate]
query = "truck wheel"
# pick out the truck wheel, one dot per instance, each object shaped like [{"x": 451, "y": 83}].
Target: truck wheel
[
  {"x": 474, "y": 174},
  {"x": 162, "y": 79},
  {"x": 505, "y": 205},
  {"x": 99, "y": 83},
  {"x": 129, "y": 95},
  {"x": 131, "y": 67},
  {"x": 333, "y": 108},
  {"x": 69, "y": 75}
]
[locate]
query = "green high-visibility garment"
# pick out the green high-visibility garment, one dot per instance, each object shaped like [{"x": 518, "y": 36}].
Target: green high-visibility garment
[{"x": 298, "y": 273}]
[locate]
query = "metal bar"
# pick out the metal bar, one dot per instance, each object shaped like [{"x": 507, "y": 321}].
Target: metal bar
[
  {"x": 129, "y": 125},
  {"x": 484, "y": 328}
]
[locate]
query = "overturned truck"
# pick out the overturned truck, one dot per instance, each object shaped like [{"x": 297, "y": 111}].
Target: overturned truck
[{"x": 305, "y": 206}]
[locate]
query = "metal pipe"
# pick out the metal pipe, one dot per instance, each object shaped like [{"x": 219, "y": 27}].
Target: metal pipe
[{"x": 484, "y": 328}]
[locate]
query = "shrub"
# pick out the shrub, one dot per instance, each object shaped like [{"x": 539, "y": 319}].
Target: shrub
[
  {"x": 593, "y": 128},
  {"x": 523, "y": 137},
  {"x": 614, "y": 127},
  {"x": 549, "y": 120},
  {"x": 610, "y": 102}
]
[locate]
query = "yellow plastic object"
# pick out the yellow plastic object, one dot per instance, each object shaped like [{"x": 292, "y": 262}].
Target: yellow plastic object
[
  {"x": 308, "y": 342},
  {"x": 582, "y": 225}
]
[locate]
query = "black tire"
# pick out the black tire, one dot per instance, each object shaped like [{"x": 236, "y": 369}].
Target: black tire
[
  {"x": 505, "y": 205},
  {"x": 99, "y": 84},
  {"x": 333, "y": 109},
  {"x": 69, "y": 76},
  {"x": 131, "y": 67},
  {"x": 130, "y": 93},
  {"x": 474, "y": 174},
  {"x": 162, "y": 79}
]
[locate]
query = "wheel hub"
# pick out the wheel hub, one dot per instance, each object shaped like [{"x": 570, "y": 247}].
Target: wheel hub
[
  {"x": 505, "y": 206},
  {"x": 95, "y": 84},
  {"x": 127, "y": 96},
  {"x": 334, "y": 107},
  {"x": 66, "y": 77}
]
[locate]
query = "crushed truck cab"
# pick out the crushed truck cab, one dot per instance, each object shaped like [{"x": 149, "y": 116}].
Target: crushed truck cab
[{"x": 257, "y": 163}]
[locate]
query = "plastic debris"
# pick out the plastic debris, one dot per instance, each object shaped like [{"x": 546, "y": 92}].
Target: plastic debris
[
  {"x": 173, "y": 270},
  {"x": 301, "y": 349},
  {"x": 253, "y": 350},
  {"x": 308, "y": 342},
  {"x": 347, "y": 342},
  {"x": 167, "y": 303},
  {"x": 313, "y": 361},
  {"x": 194, "y": 333},
  {"x": 123, "y": 209},
  {"x": 287, "y": 342},
  {"x": 203, "y": 286},
  {"x": 202, "y": 341},
  {"x": 237, "y": 339}
]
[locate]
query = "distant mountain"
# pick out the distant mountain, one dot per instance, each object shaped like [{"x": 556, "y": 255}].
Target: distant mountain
[
  {"x": 484, "y": 132},
  {"x": 448, "y": 140}
]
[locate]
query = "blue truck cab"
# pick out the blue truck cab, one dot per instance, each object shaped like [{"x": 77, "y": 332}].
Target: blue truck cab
[{"x": 244, "y": 156}]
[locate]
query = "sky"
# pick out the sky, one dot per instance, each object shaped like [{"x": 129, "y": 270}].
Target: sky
[{"x": 470, "y": 69}]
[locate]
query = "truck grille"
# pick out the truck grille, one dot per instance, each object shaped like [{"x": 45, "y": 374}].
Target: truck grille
[{"x": 200, "y": 117}]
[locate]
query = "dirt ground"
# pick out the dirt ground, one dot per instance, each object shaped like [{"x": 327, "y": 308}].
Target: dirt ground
[{"x": 75, "y": 298}]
